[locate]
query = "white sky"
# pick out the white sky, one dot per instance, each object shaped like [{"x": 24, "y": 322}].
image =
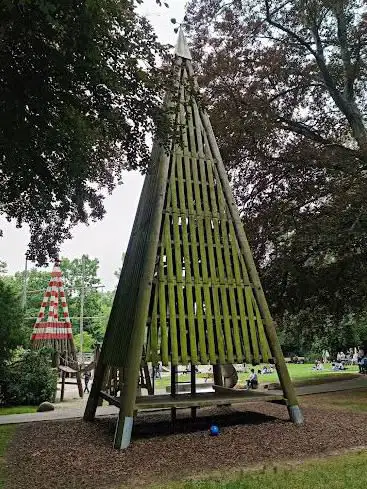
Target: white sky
[{"x": 106, "y": 239}]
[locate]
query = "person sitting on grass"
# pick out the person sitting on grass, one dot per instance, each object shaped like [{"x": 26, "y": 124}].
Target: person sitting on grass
[
  {"x": 252, "y": 382},
  {"x": 317, "y": 366},
  {"x": 338, "y": 366},
  {"x": 267, "y": 370}
]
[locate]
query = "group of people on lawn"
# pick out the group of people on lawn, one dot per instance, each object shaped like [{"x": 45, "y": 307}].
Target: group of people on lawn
[{"x": 358, "y": 357}]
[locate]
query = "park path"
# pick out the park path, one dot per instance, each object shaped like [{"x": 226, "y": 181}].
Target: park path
[{"x": 77, "y": 412}]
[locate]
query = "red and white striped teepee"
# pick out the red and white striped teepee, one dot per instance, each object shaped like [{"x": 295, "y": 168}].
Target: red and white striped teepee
[{"x": 54, "y": 332}]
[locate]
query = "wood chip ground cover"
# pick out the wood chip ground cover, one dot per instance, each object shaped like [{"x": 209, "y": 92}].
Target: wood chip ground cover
[{"x": 74, "y": 454}]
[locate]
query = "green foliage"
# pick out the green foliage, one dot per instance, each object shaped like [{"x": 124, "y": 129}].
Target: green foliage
[
  {"x": 12, "y": 333},
  {"x": 313, "y": 330},
  {"x": 97, "y": 304},
  {"x": 28, "y": 381},
  {"x": 80, "y": 90},
  {"x": 88, "y": 342},
  {"x": 37, "y": 281}
]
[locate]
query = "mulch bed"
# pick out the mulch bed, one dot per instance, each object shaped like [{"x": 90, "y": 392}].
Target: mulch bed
[{"x": 75, "y": 455}]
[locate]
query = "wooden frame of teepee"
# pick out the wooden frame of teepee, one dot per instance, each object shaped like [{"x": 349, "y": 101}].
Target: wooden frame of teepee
[{"x": 189, "y": 291}]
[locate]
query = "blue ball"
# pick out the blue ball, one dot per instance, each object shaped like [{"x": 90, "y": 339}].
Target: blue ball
[{"x": 214, "y": 430}]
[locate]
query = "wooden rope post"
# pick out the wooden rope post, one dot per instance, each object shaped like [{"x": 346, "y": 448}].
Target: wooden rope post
[
  {"x": 217, "y": 375},
  {"x": 62, "y": 385},
  {"x": 173, "y": 394},
  {"x": 99, "y": 374}
]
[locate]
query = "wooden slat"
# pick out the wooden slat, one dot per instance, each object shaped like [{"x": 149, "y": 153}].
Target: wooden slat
[
  {"x": 177, "y": 246},
  {"x": 235, "y": 326},
  {"x": 171, "y": 297},
  {"x": 251, "y": 321},
  {"x": 244, "y": 325},
  {"x": 264, "y": 346},
  {"x": 227, "y": 326},
  {"x": 235, "y": 255},
  {"x": 154, "y": 358},
  {"x": 162, "y": 305}
]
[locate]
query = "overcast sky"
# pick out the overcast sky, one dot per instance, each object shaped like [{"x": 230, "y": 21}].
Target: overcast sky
[{"x": 106, "y": 239}]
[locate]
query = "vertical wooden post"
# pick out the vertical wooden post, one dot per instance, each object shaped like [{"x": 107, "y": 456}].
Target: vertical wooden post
[
  {"x": 173, "y": 394},
  {"x": 148, "y": 381},
  {"x": 287, "y": 386},
  {"x": 153, "y": 379},
  {"x": 91, "y": 407},
  {"x": 193, "y": 389},
  {"x": 62, "y": 386},
  {"x": 217, "y": 375},
  {"x": 79, "y": 382},
  {"x": 128, "y": 396}
]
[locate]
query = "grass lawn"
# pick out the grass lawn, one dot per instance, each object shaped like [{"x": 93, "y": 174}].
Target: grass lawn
[
  {"x": 340, "y": 472},
  {"x": 6, "y": 433},
  {"x": 355, "y": 400},
  {"x": 17, "y": 410},
  {"x": 301, "y": 372}
]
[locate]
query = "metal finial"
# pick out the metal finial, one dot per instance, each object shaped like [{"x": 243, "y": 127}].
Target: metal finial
[{"x": 182, "y": 48}]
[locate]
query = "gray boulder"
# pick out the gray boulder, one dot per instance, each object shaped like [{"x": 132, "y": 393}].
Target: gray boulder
[{"x": 45, "y": 406}]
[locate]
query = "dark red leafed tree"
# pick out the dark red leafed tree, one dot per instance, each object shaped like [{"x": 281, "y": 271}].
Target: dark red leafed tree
[{"x": 285, "y": 83}]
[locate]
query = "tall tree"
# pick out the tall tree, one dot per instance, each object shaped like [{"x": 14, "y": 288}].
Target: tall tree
[
  {"x": 79, "y": 91},
  {"x": 285, "y": 83},
  {"x": 73, "y": 272},
  {"x": 12, "y": 332}
]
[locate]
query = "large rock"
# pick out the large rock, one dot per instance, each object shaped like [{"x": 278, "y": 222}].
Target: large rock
[{"x": 45, "y": 406}]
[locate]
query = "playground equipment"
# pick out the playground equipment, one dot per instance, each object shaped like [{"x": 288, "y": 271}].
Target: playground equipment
[
  {"x": 189, "y": 291},
  {"x": 56, "y": 333}
]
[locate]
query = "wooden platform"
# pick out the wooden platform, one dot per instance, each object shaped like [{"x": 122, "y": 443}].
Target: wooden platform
[{"x": 203, "y": 399}]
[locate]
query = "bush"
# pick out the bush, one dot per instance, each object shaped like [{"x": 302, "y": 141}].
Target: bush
[
  {"x": 312, "y": 357},
  {"x": 30, "y": 380},
  {"x": 12, "y": 333}
]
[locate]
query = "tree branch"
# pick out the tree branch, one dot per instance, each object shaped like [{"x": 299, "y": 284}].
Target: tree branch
[
  {"x": 285, "y": 29},
  {"x": 303, "y": 130},
  {"x": 347, "y": 106},
  {"x": 345, "y": 53},
  {"x": 292, "y": 89}
]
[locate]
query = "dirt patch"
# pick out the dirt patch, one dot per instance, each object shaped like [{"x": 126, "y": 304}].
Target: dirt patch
[{"x": 74, "y": 454}]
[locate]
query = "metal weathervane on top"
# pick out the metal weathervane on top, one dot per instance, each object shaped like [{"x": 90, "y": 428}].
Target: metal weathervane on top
[{"x": 182, "y": 48}]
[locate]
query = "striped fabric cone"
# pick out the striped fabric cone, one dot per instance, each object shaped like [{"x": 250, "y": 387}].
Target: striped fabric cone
[{"x": 53, "y": 332}]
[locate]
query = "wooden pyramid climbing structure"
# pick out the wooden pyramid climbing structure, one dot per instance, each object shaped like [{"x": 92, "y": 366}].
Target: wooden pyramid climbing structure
[
  {"x": 49, "y": 330},
  {"x": 55, "y": 333},
  {"x": 189, "y": 291}
]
